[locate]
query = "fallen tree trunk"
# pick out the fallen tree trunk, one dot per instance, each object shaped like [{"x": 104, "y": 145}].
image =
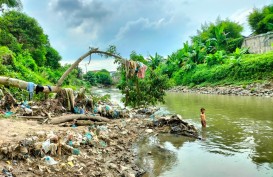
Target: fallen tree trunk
[
  {"x": 71, "y": 117},
  {"x": 23, "y": 84}
]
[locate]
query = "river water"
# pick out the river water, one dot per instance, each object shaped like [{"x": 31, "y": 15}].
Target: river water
[{"x": 238, "y": 140}]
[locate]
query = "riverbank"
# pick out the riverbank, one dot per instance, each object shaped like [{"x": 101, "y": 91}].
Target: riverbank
[
  {"x": 81, "y": 147},
  {"x": 102, "y": 151},
  {"x": 261, "y": 90}
]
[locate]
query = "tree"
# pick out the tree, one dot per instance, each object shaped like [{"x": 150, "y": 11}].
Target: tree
[
  {"x": 155, "y": 61},
  {"x": 10, "y": 4},
  {"x": 261, "y": 20},
  {"x": 53, "y": 58},
  {"x": 147, "y": 91},
  {"x": 103, "y": 77},
  {"x": 90, "y": 77},
  {"x": 27, "y": 32},
  {"x": 221, "y": 35}
]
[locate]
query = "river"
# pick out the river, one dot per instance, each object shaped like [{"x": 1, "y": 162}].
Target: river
[{"x": 238, "y": 140}]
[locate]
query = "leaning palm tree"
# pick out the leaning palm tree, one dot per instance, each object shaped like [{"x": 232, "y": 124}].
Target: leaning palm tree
[{"x": 10, "y": 4}]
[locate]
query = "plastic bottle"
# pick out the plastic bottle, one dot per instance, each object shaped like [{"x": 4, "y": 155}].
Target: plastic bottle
[{"x": 50, "y": 161}]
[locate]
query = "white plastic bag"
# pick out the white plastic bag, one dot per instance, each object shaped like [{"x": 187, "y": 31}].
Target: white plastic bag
[{"x": 46, "y": 145}]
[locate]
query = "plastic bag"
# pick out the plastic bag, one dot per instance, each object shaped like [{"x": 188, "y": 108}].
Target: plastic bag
[
  {"x": 46, "y": 145},
  {"x": 50, "y": 161}
]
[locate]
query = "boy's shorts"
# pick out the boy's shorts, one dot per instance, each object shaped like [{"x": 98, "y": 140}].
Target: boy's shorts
[{"x": 204, "y": 123}]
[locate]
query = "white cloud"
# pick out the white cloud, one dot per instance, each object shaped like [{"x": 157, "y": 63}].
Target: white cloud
[
  {"x": 144, "y": 26},
  {"x": 140, "y": 25},
  {"x": 240, "y": 16},
  {"x": 95, "y": 64}
]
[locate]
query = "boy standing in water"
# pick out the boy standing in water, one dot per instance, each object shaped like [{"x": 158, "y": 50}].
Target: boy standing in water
[{"x": 203, "y": 117}]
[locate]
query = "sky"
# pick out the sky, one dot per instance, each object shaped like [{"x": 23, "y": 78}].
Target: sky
[{"x": 144, "y": 26}]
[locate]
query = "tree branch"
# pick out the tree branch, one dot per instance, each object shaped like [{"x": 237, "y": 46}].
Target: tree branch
[{"x": 76, "y": 63}]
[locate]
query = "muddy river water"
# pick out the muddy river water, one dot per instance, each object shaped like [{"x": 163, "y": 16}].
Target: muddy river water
[{"x": 238, "y": 140}]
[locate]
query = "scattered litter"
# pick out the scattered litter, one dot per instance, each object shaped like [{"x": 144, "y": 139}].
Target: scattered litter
[{"x": 50, "y": 161}]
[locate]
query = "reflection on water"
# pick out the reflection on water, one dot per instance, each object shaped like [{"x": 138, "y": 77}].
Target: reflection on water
[
  {"x": 156, "y": 155},
  {"x": 238, "y": 140}
]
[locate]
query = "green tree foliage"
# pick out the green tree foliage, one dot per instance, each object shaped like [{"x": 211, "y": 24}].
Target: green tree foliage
[
  {"x": 144, "y": 92},
  {"x": 27, "y": 32},
  {"x": 90, "y": 76},
  {"x": 221, "y": 35},
  {"x": 20, "y": 33},
  {"x": 261, "y": 20},
  {"x": 7, "y": 39},
  {"x": 103, "y": 77},
  {"x": 6, "y": 59},
  {"x": 30, "y": 47},
  {"x": 10, "y": 4},
  {"x": 154, "y": 62},
  {"x": 52, "y": 58},
  {"x": 216, "y": 58},
  {"x": 26, "y": 53}
]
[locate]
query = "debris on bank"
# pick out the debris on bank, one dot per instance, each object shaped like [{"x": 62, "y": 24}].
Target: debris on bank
[
  {"x": 104, "y": 150},
  {"x": 96, "y": 140}
]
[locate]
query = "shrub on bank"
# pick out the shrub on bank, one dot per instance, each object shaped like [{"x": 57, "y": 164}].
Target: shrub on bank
[{"x": 251, "y": 67}]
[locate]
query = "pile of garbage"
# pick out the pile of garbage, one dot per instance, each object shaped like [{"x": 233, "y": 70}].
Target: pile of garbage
[
  {"x": 66, "y": 101},
  {"x": 97, "y": 139},
  {"x": 162, "y": 121},
  {"x": 173, "y": 124},
  {"x": 94, "y": 150}
]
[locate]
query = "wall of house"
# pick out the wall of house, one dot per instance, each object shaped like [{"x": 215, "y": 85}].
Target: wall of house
[{"x": 260, "y": 43}]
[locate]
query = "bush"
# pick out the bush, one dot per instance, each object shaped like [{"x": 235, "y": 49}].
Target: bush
[{"x": 252, "y": 67}]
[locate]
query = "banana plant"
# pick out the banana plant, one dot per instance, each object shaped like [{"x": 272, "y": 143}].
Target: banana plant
[{"x": 221, "y": 37}]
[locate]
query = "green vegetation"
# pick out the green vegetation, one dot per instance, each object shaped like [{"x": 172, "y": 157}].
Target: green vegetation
[
  {"x": 10, "y": 4},
  {"x": 221, "y": 35},
  {"x": 100, "y": 77},
  {"x": 261, "y": 20},
  {"x": 215, "y": 57},
  {"x": 249, "y": 69},
  {"x": 212, "y": 57},
  {"x": 26, "y": 53},
  {"x": 147, "y": 91}
]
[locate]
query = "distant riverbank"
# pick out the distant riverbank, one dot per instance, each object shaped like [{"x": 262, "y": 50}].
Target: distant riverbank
[{"x": 263, "y": 90}]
